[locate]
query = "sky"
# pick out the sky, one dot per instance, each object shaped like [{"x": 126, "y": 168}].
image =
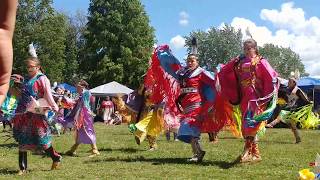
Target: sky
[{"x": 294, "y": 24}]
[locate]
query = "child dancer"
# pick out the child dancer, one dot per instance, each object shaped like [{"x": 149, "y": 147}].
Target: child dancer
[
  {"x": 83, "y": 121},
  {"x": 31, "y": 129}
]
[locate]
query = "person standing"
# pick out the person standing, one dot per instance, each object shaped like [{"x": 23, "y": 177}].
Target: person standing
[{"x": 107, "y": 107}]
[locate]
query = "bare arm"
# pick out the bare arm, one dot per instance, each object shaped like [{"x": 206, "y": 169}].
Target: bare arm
[
  {"x": 274, "y": 122},
  {"x": 8, "y": 10}
]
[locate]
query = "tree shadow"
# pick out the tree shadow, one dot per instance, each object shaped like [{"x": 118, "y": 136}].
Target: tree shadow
[{"x": 161, "y": 161}]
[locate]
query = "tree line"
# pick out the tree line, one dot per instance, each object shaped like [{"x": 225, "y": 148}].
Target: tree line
[
  {"x": 219, "y": 45},
  {"x": 114, "y": 42}
]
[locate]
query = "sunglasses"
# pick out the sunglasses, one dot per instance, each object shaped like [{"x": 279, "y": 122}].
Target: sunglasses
[{"x": 29, "y": 67}]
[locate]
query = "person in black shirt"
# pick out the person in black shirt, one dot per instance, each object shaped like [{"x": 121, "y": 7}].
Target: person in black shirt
[{"x": 290, "y": 98}]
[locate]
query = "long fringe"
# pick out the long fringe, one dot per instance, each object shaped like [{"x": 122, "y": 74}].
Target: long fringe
[
  {"x": 266, "y": 114},
  {"x": 162, "y": 83},
  {"x": 305, "y": 117},
  {"x": 235, "y": 125}
]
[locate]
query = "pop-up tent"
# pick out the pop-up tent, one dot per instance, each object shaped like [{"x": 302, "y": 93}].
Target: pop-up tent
[
  {"x": 309, "y": 83},
  {"x": 311, "y": 86},
  {"x": 110, "y": 89},
  {"x": 66, "y": 86}
]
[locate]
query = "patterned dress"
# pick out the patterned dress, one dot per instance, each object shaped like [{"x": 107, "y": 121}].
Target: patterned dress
[
  {"x": 108, "y": 110},
  {"x": 8, "y": 108},
  {"x": 81, "y": 116},
  {"x": 244, "y": 80},
  {"x": 193, "y": 104},
  {"x": 31, "y": 130}
]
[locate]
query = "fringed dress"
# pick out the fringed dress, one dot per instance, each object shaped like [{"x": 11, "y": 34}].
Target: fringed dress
[
  {"x": 31, "y": 130},
  {"x": 81, "y": 116}
]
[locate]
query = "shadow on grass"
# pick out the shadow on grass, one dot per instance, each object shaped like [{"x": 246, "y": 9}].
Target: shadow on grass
[
  {"x": 125, "y": 150},
  {"x": 229, "y": 137},
  {"x": 161, "y": 161},
  {"x": 9, "y": 145},
  {"x": 7, "y": 171},
  {"x": 275, "y": 142}
]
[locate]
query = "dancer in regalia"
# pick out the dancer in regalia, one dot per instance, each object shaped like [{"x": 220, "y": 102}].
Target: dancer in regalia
[
  {"x": 82, "y": 116},
  {"x": 190, "y": 89},
  {"x": 294, "y": 107},
  {"x": 10, "y": 104},
  {"x": 64, "y": 102},
  {"x": 148, "y": 122},
  {"x": 250, "y": 81},
  {"x": 30, "y": 124}
]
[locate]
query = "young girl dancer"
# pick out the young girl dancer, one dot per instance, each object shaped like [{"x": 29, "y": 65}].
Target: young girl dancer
[
  {"x": 30, "y": 126},
  {"x": 83, "y": 121}
]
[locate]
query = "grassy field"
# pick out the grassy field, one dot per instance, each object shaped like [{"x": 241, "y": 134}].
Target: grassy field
[{"x": 121, "y": 158}]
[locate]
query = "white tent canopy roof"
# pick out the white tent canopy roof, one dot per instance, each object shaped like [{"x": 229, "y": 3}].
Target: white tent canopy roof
[{"x": 110, "y": 89}]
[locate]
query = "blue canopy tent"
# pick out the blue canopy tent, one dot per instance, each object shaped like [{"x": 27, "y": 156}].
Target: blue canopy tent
[
  {"x": 66, "y": 86},
  {"x": 311, "y": 86}
]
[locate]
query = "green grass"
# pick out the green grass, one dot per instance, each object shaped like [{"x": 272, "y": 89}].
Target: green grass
[{"x": 121, "y": 158}]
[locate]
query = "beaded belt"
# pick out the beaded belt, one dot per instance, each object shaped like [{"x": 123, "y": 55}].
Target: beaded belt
[
  {"x": 189, "y": 90},
  {"x": 191, "y": 107}
]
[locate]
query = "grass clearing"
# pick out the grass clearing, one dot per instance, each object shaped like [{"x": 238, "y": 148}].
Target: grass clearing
[{"x": 121, "y": 158}]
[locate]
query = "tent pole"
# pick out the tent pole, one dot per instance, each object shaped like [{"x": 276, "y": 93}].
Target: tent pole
[{"x": 313, "y": 99}]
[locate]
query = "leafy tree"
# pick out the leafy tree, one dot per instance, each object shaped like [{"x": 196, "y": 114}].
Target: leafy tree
[
  {"x": 37, "y": 22},
  {"x": 118, "y": 40},
  {"x": 216, "y": 46},
  {"x": 76, "y": 26},
  {"x": 220, "y": 45},
  {"x": 71, "y": 52},
  {"x": 284, "y": 60}
]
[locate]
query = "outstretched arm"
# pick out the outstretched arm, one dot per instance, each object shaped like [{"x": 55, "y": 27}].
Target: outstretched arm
[
  {"x": 8, "y": 10},
  {"x": 274, "y": 122}
]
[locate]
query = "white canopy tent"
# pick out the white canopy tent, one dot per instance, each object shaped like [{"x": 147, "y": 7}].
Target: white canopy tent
[{"x": 110, "y": 89}]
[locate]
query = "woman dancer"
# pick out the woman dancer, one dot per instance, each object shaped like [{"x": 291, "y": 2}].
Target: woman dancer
[{"x": 244, "y": 80}]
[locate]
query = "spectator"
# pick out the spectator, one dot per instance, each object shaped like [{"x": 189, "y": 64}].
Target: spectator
[
  {"x": 116, "y": 118},
  {"x": 107, "y": 107}
]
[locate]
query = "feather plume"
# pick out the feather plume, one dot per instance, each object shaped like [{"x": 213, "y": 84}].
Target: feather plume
[{"x": 32, "y": 51}]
